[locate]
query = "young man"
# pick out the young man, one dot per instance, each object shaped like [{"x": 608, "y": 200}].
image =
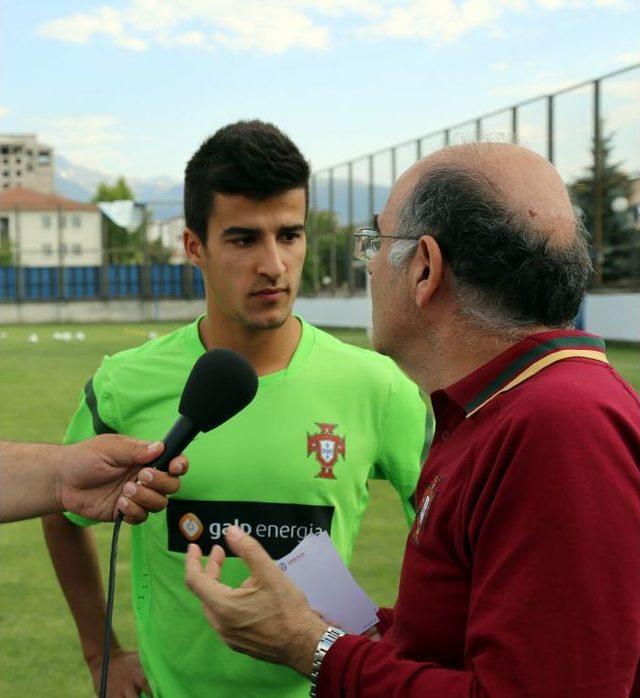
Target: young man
[{"x": 327, "y": 417}]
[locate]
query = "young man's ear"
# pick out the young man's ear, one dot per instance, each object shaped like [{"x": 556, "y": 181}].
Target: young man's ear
[
  {"x": 193, "y": 247},
  {"x": 428, "y": 269}
]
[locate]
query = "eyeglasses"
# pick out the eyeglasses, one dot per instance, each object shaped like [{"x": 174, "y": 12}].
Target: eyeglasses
[{"x": 368, "y": 243}]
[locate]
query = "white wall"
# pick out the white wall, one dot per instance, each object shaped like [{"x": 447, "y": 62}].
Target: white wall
[
  {"x": 613, "y": 316},
  {"x": 39, "y": 241}
]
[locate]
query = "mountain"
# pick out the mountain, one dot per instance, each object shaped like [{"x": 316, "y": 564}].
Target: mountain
[
  {"x": 164, "y": 195},
  {"x": 80, "y": 183}
]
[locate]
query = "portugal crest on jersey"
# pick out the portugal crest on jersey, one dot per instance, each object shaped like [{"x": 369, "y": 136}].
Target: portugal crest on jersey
[{"x": 326, "y": 446}]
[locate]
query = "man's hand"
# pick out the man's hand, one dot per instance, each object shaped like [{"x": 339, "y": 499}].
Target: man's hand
[
  {"x": 268, "y": 617},
  {"x": 104, "y": 475},
  {"x": 126, "y": 677}
]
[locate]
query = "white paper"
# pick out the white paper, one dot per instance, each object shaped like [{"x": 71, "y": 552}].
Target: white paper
[{"x": 316, "y": 568}]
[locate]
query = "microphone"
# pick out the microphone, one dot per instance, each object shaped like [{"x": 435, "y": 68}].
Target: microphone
[{"x": 221, "y": 384}]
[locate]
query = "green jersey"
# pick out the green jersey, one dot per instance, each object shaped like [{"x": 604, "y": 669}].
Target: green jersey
[{"x": 295, "y": 461}]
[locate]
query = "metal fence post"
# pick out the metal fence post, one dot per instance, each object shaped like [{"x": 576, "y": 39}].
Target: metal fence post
[
  {"x": 145, "y": 270},
  {"x": 60, "y": 221},
  {"x": 315, "y": 243},
  {"x": 351, "y": 224},
  {"x": 104, "y": 260},
  {"x": 550, "y": 128},
  {"x": 598, "y": 237},
  {"x": 333, "y": 256},
  {"x": 446, "y": 136},
  {"x": 187, "y": 280},
  {"x": 372, "y": 195},
  {"x": 20, "y": 281},
  {"x": 418, "y": 149},
  {"x": 393, "y": 166},
  {"x": 514, "y": 124},
  {"x": 478, "y": 130}
]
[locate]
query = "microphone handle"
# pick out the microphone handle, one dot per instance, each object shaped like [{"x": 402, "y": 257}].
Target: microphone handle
[{"x": 179, "y": 437}]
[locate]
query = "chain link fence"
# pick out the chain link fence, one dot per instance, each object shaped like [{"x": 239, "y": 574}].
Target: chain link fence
[{"x": 590, "y": 131}]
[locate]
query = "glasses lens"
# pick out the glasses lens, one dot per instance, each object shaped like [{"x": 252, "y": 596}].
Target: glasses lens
[{"x": 367, "y": 244}]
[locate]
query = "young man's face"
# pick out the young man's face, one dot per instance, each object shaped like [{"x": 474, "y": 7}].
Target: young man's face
[{"x": 253, "y": 257}]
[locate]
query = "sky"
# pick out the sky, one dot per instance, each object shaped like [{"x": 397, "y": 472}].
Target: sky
[{"x": 132, "y": 87}]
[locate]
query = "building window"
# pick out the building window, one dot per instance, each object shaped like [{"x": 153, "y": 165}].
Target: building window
[
  {"x": 18, "y": 173},
  {"x": 46, "y": 221},
  {"x": 62, "y": 221},
  {"x": 75, "y": 221},
  {"x": 44, "y": 157},
  {"x": 29, "y": 167},
  {"x": 47, "y": 248},
  {"x": 76, "y": 248}
]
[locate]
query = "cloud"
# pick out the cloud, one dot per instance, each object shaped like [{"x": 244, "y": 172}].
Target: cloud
[
  {"x": 279, "y": 25},
  {"x": 91, "y": 140},
  {"x": 629, "y": 57},
  {"x": 272, "y": 27},
  {"x": 4, "y": 111}
]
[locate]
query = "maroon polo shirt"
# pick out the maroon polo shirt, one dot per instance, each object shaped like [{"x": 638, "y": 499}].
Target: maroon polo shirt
[{"x": 521, "y": 574}]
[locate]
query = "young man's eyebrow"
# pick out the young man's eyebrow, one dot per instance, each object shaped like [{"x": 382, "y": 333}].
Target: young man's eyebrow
[
  {"x": 240, "y": 230},
  {"x": 291, "y": 228},
  {"x": 244, "y": 230}
]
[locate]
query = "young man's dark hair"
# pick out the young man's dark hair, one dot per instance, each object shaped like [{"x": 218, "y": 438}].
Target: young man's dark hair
[{"x": 251, "y": 158}]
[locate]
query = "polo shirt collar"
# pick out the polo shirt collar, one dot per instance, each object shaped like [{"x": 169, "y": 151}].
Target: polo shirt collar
[{"x": 518, "y": 362}]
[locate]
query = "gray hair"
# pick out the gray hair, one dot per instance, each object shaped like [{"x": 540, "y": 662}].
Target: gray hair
[{"x": 506, "y": 276}]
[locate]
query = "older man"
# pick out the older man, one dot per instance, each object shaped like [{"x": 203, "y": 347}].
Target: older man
[{"x": 521, "y": 574}]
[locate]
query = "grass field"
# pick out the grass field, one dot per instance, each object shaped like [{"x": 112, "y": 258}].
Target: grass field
[{"x": 39, "y": 389}]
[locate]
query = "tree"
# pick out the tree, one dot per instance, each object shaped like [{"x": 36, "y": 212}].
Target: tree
[
  {"x": 124, "y": 247},
  {"x": 323, "y": 234},
  {"x": 620, "y": 256}
]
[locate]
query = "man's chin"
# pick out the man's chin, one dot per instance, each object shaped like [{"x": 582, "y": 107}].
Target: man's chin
[{"x": 272, "y": 322}]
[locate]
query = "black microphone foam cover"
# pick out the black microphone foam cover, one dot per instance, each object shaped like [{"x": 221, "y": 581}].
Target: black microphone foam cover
[{"x": 221, "y": 383}]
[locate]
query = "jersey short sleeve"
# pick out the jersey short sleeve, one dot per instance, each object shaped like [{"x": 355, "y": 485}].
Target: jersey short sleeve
[
  {"x": 94, "y": 415},
  {"x": 405, "y": 438}
]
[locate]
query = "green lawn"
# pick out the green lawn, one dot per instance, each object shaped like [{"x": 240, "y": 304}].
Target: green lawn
[{"x": 39, "y": 387}]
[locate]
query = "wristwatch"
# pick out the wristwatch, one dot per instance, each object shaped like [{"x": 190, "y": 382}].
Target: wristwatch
[{"x": 331, "y": 634}]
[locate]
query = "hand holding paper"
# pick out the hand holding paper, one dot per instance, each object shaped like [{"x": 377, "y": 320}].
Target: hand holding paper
[
  {"x": 269, "y": 617},
  {"x": 317, "y": 569}
]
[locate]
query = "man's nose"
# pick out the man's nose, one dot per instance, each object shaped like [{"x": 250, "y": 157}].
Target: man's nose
[{"x": 271, "y": 263}]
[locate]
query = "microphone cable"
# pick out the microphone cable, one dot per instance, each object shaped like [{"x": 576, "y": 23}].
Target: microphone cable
[{"x": 106, "y": 636}]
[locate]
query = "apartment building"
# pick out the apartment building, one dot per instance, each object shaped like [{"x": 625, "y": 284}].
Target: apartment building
[{"x": 25, "y": 162}]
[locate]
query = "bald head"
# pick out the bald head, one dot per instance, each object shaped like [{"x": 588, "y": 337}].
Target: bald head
[
  {"x": 522, "y": 181},
  {"x": 506, "y": 227}
]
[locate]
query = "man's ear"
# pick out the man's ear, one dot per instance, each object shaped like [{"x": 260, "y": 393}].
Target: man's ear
[
  {"x": 427, "y": 269},
  {"x": 193, "y": 248}
]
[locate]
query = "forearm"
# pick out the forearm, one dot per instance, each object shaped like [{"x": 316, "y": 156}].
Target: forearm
[
  {"x": 75, "y": 559},
  {"x": 29, "y": 479},
  {"x": 356, "y": 666}
]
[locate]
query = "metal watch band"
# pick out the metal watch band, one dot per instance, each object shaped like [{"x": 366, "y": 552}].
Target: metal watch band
[{"x": 331, "y": 634}]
